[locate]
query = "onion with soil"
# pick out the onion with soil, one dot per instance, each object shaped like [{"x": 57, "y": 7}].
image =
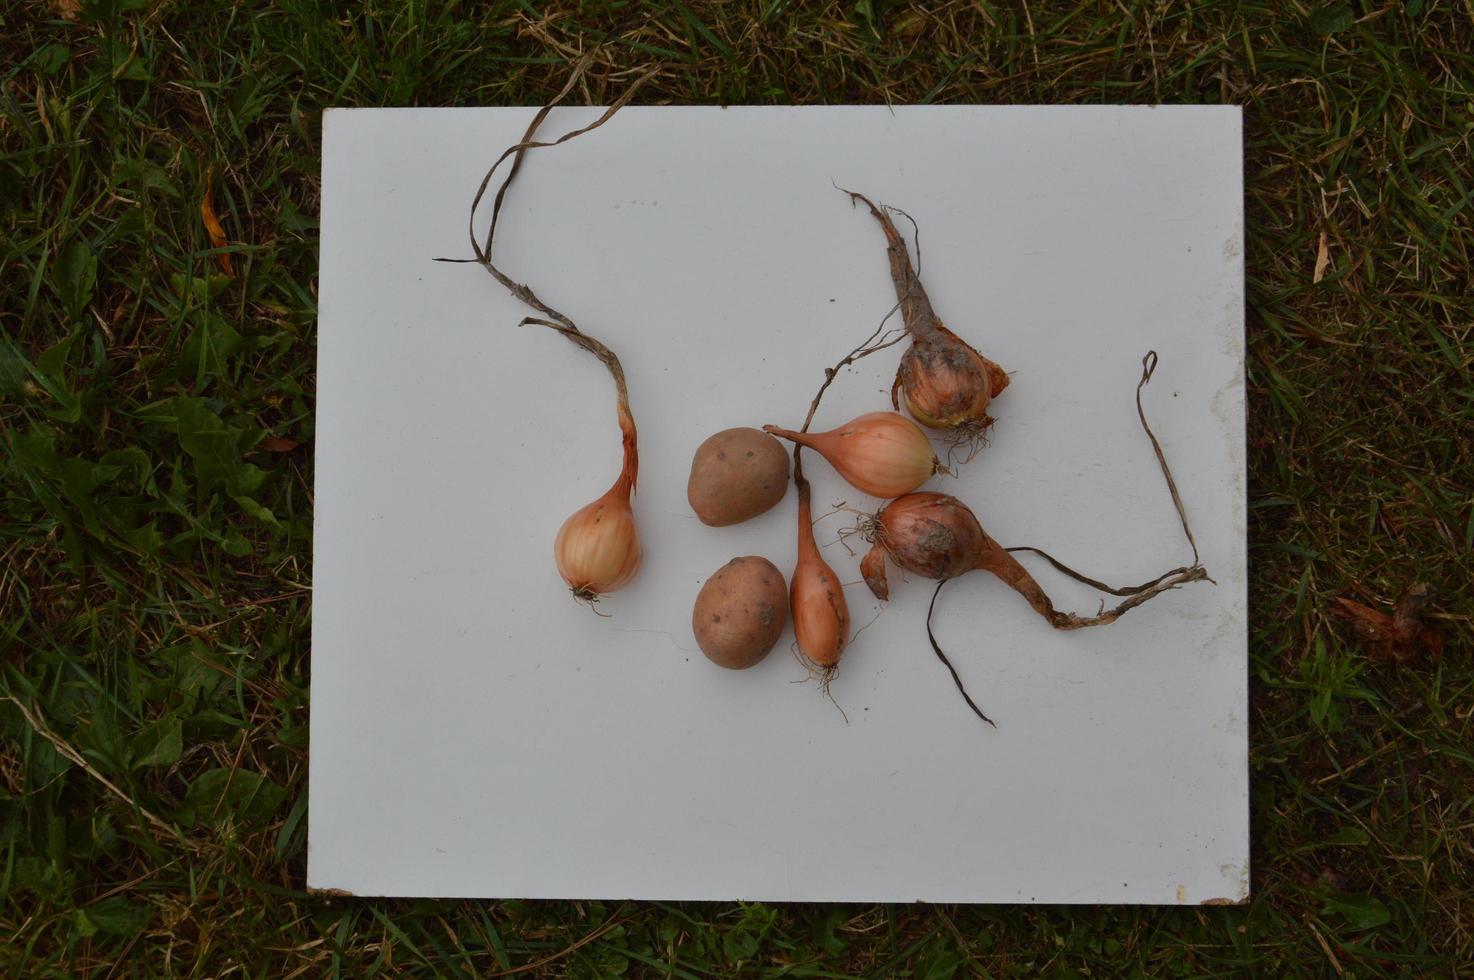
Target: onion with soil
[{"x": 947, "y": 384}]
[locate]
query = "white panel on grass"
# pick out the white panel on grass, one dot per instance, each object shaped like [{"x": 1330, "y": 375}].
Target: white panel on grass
[{"x": 475, "y": 732}]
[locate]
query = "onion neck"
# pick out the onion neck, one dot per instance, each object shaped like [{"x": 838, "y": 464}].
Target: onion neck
[
  {"x": 916, "y": 311},
  {"x": 995, "y": 559},
  {"x": 798, "y": 439},
  {"x": 807, "y": 546},
  {"x": 629, "y": 474}
]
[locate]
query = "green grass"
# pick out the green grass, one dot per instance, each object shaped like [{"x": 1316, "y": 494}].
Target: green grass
[{"x": 156, "y": 554}]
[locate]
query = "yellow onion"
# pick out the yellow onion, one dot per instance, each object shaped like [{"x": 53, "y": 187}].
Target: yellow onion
[
  {"x": 821, "y": 618},
  {"x": 883, "y": 454},
  {"x": 598, "y": 548}
]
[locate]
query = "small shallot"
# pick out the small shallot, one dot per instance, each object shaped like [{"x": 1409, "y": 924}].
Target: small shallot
[
  {"x": 821, "y": 618},
  {"x": 883, "y": 454},
  {"x": 598, "y": 548}
]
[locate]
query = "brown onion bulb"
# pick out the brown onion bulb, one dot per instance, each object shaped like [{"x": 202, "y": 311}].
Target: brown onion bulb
[
  {"x": 937, "y": 536},
  {"x": 947, "y": 384},
  {"x": 883, "y": 454},
  {"x": 930, "y": 534}
]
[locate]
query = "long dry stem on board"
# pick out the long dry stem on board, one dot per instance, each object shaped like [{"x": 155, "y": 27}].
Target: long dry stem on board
[
  {"x": 1000, "y": 561},
  {"x": 879, "y": 340},
  {"x": 916, "y": 310},
  {"x": 551, "y": 317},
  {"x": 1168, "y": 579},
  {"x": 943, "y": 657}
]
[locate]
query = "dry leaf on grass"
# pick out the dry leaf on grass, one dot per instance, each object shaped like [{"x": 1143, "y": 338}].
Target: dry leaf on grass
[
  {"x": 214, "y": 230},
  {"x": 1322, "y": 258},
  {"x": 67, "y": 9},
  {"x": 277, "y": 444},
  {"x": 1397, "y": 638}
]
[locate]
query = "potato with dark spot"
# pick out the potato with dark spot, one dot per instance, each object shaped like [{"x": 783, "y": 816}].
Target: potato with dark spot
[
  {"x": 737, "y": 474},
  {"x": 740, "y": 612}
]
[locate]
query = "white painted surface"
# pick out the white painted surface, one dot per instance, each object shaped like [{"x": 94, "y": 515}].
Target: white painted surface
[{"x": 477, "y": 733}]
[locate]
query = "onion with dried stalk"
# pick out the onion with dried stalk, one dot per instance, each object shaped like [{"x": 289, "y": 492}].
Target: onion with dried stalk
[
  {"x": 597, "y": 549},
  {"x": 947, "y": 384},
  {"x": 938, "y": 537}
]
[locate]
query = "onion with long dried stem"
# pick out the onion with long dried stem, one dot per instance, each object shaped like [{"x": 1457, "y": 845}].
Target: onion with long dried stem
[
  {"x": 947, "y": 384},
  {"x": 597, "y": 549},
  {"x": 938, "y": 537}
]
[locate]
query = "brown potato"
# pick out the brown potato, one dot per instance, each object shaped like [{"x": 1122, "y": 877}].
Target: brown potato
[
  {"x": 737, "y": 474},
  {"x": 740, "y": 612}
]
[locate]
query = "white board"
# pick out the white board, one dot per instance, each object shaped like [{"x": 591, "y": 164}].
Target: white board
[{"x": 477, "y": 733}]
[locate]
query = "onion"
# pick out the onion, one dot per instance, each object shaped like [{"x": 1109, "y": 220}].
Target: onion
[
  {"x": 938, "y": 537},
  {"x": 821, "y": 618},
  {"x": 883, "y": 454},
  {"x": 931, "y": 534},
  {"x": 598, "y": 548},
  {"x": 872, "y": 570},
  {"x": 948, "y": 384}
]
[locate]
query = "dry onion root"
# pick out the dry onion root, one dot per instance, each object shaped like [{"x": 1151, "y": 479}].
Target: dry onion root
[
  {"x": 938, "y": 537},
  {"x": 597, "y": 549},
  {"x": 947, "y": 384}
]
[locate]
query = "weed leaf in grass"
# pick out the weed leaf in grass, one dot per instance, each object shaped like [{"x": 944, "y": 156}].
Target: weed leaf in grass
[
  {"x": 1359, "y": 911},
  {"x": 230, "y": 794},
  {"x": 15, "y": 370},
  {"x": 51, "y": 375},
  {"x": 160, "y": 743},
  {"x": 216, "y": 447},
  {"x": 187, "y": 678},
  {"x": 1332, "y": 19},
  {"x": 75, "y": 277},
  {"x": 940, "y": 962},
  {"x": 115, "y": 916},
  {"x": 209, "y": 347}
]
